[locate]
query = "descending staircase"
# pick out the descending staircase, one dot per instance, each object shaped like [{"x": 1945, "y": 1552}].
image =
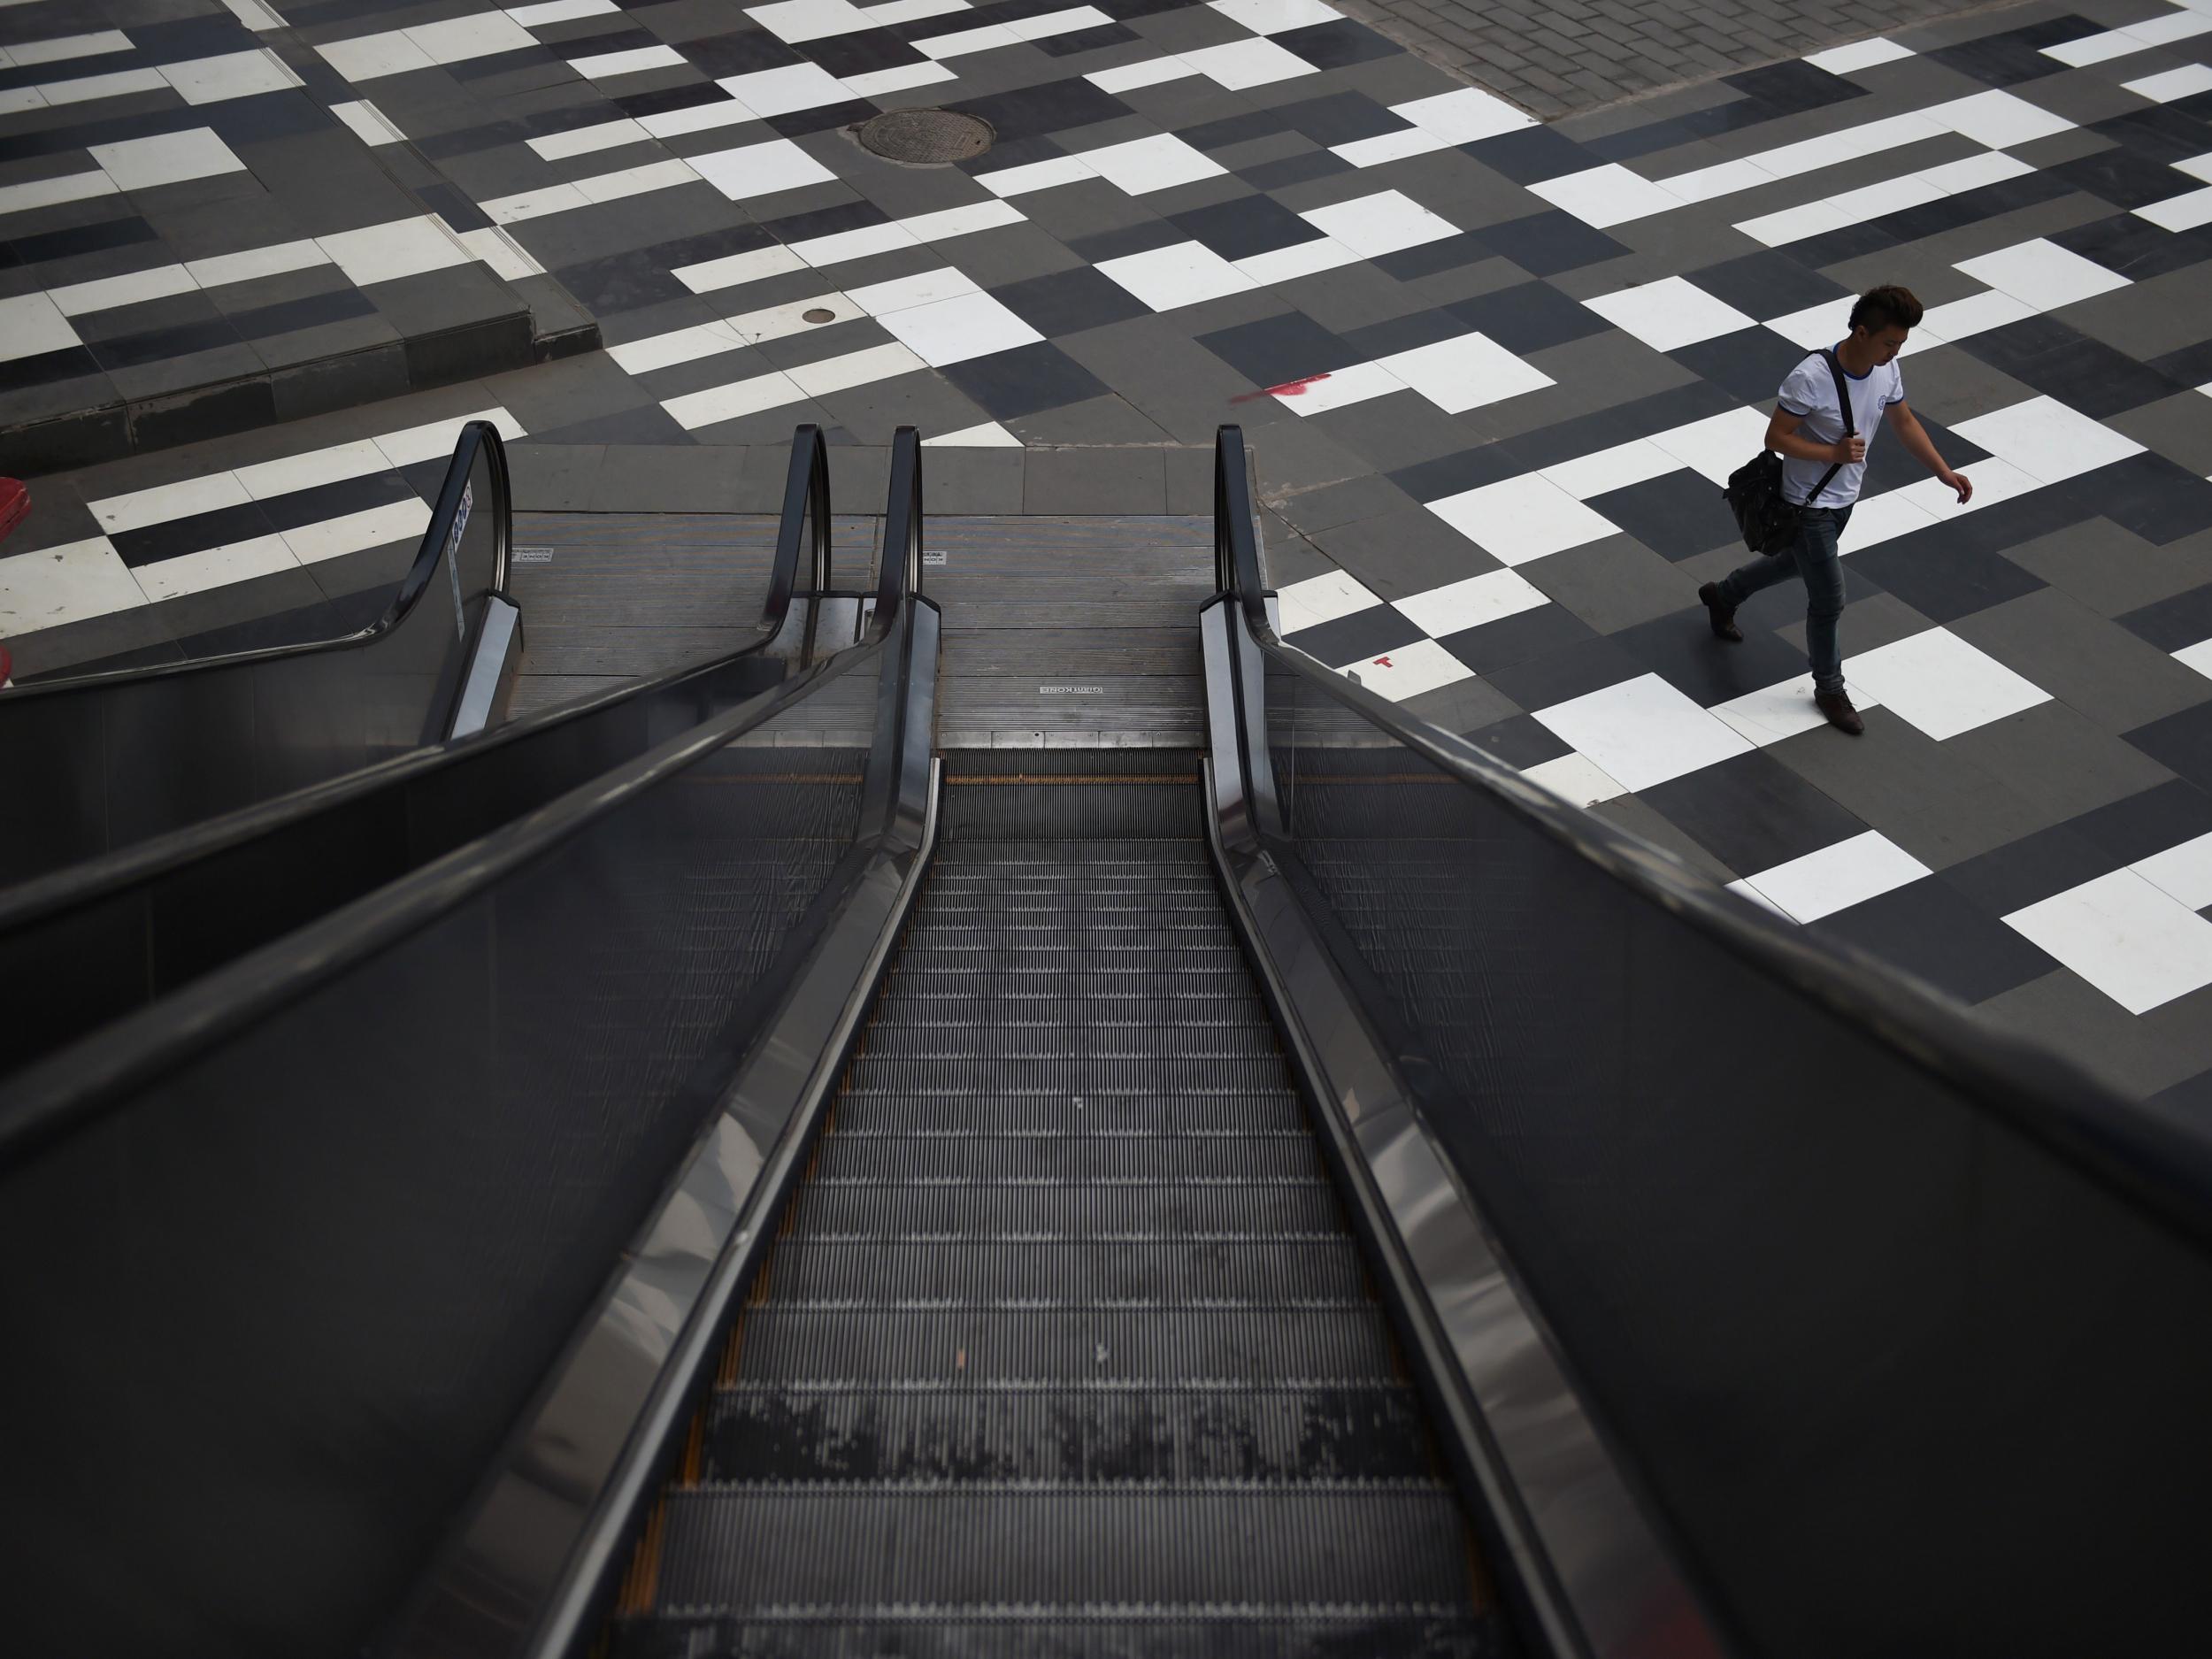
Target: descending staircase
[{"x": 1064, "y": 1347}]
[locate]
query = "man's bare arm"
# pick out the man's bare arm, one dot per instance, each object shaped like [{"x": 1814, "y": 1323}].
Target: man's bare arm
[
  {"x": 1922, "y": 448},
  {"x": 1782, "y": 439}
]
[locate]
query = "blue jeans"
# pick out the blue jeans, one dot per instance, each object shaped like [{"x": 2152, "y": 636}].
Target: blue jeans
[{"x": 1813, "y": 556}]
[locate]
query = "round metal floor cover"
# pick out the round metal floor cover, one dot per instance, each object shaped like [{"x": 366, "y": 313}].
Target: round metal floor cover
[{"x": 926, "y": 135}]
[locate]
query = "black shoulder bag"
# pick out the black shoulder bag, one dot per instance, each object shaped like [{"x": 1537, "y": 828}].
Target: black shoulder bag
[{"x": 1766, "y": 519}]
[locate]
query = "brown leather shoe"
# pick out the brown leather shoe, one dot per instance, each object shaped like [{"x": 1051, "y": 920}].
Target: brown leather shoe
[
  {"x": 1722, "y": 616},
  {"x": 1837, "y": 706}
]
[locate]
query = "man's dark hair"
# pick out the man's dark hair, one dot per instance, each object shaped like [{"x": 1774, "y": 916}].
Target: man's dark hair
[{"x": 1888, "y": 306}]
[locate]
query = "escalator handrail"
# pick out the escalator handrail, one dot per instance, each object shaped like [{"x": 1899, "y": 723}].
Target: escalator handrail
[
  {"x": 438, "y": 542},
  {"x": 2146, "y": 1157},
  {"x": 806, "y": 501},
  {"x": 94, "y": 879},
  {"x": 55, "y": 1095},
  {"x": 901, "y": 572}
]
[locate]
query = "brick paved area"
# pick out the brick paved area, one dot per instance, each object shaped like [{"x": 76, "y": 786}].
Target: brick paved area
[{"x": 1556, "y": 58}]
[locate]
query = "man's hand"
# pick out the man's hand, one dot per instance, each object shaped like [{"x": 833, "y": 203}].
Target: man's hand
[
  {"x": 1959, "y": 482},
  {"x": 1847, "y": 451}
]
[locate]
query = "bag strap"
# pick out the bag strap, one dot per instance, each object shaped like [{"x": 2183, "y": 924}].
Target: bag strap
[{"x": 1843, "y": 403}]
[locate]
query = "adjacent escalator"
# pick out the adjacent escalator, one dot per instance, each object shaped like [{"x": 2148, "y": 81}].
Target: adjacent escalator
[
  {"x": 1063, "y": 1345},
  {"x": 103, "y": 761}
]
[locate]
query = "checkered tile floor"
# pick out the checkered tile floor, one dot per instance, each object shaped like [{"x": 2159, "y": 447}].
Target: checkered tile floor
[{"x": 1492, "y": 374}]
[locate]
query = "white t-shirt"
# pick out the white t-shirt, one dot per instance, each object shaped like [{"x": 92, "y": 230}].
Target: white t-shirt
[{"x": 1811, "y": 392}]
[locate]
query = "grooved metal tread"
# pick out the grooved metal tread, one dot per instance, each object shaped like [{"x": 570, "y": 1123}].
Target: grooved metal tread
[{"x": 1063, "y": 1345}]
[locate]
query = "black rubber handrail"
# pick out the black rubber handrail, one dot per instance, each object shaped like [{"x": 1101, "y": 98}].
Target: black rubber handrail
[
  {"x": 806, "y": 503},
  {"x": 2134, "y": 1149},
  {"x": 428, "y": 556}
]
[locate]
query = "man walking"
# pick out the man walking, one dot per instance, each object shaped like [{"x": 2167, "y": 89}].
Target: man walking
[{"x": 1824, "y": 463}]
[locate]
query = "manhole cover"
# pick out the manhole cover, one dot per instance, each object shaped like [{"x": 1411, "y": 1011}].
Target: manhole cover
[{"x": 926, "y": 135}]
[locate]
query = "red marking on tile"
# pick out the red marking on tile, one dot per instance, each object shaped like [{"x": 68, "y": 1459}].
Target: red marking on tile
[
  {"x": 1384, "y": 662},
  {"x": 1288, "y": 388}
]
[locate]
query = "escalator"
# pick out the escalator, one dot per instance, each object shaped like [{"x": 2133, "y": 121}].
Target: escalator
[
  {"x": 85, "y": 945},
  {"x": 100, "y": 761},
  {"x": 1063, "y": 1345},
  {"x": 797, "y": 1194}
]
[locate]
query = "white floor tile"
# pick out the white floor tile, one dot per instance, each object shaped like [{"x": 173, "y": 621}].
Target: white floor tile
[
  {"x": 853, "y": 244},
  {"x": 727, "y": 402},
  {"x": 139, "y": 163},
  {"x": 989, "y": 435},
  {"x": 1463, "y": 117},
  {"x": 1370, "y": 152},
  {"x": 912, "y": 11},
  {"x": 2189, "y": 211},
  {"x": 1744, "y": 890},
  {"x": 2000, "y": 120},
  {"x": 357, "y": 532},
  {"x": 85, "y": 89},
  {"x": 2042, "y": 274},
  {"x": 1992, "y": 166},
  {"x": 962, "y": 42},
  {"x": 215, "y": 567},
  {"x": 1975, "y": 314},
  {"x": 1815, "y": 326},
  {"x": 2141, "y": 947},
  {"x": 433, "y": 439},
  {"x": 533, "y": 17},
  {"x": 458, "y": 39},
  {"x": 854, "y": 368},
  {"x": 654, "y": 175},
  {"x": 1883, "y": 517},
  {"x": 159, "y": 283},
  {"x": 210, "y": 493},
  {"x": 1706, "y": 184},
  {"x": 678, "y": 345},
  {"x": 369, "y": 124},
  {"x": 1642, "y": 732},
  {"x": 61, "y": 47},
  {"x": 2174, "y": 82},
  {"x": 1774, "y": 712},
  {"x": 1836, "y": 878},
  {"x": 369, "y": 56},
  {"x": 902, "y": 78},
  {"x": 332, "y": 465},
  {"x": 797, "y": 20},
  {"x": 1181, "y": 274},
  {"x": 380, "y": 253},
  {"x": 1616, "y": 468},
  {"x": 1670, "y": 313},
  {"x": 1318, "y": 599},
  {"x": 501, "y": 254},
  {"x": 1409, "y": 669},
  {"x": 70, "y": 186},
  {"x": 1383, "y": 223},
  {"x": 954, "y": 330},
  {"x": 1994, "y": 480},
  {"x": 949, "y": 222},
  {"x": 2047, "y": 439},
  {"x": 902, "y": 293},
  {"x": 69, "y": 583},
  {"x": 1457, "y": 606},
  {"x": 752, "y": 170},
  {"x": 1274, "y": 17},
  {"x": 700, "y": 118},
  {"x": 1128, "y": 77},
  {"x": 1237, "y": 65},
  {"x": 1067, "y": 20},
  {"x": 1843, "y": 60},
  {"x": 31, "y": 324},
  {"x": 1718, "y": 445},
  {"x": 1337, "y": 389},
  {"x": 1303, "y": 259},
  {"x": 1891, "y": 196},
  {"x": 232, "y": 75},
  {"x": 1937, "y": 682},
  {"x": 767, "y": 92},
  {"x": 1868, "y": 138},
  {"x": 2183, "y": 872},
  {"x": 733, "y": 270},
  {"x": 1609, "y": 194},
  {"x": 779, "y": 322},
  {"x": 2198, "y": 656},
  {"x": 1577, "y": 779},
  {"x": 636, "y": 60},
  {"x": 1036, "y": 175},
  {"x": 528, "y": 204},
  {"x": 249, "y": 263},
  {"x": 1157, "y": 163},
  {"x": 1465, "y": 373},
  {"x": 1522, "y": 519}
]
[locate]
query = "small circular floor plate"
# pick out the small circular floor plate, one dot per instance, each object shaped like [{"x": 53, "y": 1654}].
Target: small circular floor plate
[{"x": 926, "y": 135}]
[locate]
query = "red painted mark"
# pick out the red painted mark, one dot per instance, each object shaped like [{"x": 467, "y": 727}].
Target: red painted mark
[
  {"x": 1384, "y": 662},
  {"x": 1288, "y": 388}
]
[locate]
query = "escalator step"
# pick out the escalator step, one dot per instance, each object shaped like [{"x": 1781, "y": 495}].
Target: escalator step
[
  {"x": 978, "y": 1160},
  {"x": 1126, "y": 1209},
  {"x": 819, "y": 1272},
  {"x": 1064, "y": 1435},
  {"x": 1017, "y": 1041},
  {"x": 860, "y": 1548},
  {"x": 1182, "y": 1634},
  {"x": 1347, "y": 1343},
  {"x": 1145, "y": 1075},
  {"x": 862, "y": 1112}
]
